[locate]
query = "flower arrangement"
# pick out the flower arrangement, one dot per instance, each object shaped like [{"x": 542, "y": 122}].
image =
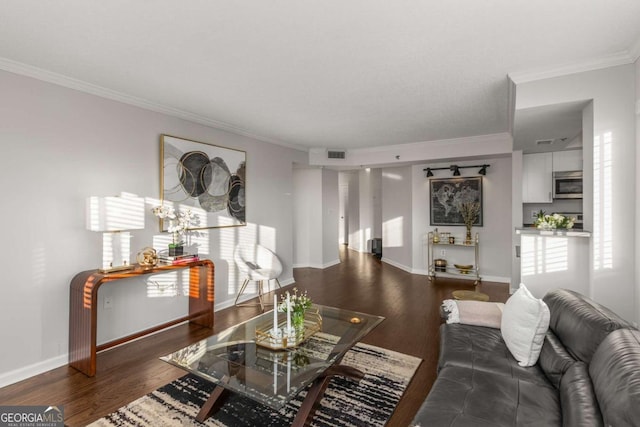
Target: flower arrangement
[
  {"x": 179, "y": 222},
  {"x": 552, "y": 222},
  {"x": 469, "y": 212},
  {"x": 299, "y": 303}
]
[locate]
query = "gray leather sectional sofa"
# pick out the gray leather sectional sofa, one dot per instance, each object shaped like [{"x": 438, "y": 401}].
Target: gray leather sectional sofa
[{"x": 588, "y": 373}]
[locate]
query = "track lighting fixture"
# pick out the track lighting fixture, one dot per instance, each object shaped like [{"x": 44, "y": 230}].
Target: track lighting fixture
[{"x": 456, "y": 169}]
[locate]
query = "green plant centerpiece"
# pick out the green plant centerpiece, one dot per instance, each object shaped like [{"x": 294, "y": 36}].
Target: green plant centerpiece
[
  {"x": 299, "y": 303},
  {"x": 553, "y": 222},
  {"x": 469, "y": 212}
]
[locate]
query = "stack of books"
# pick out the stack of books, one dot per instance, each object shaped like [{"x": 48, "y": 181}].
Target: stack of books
[{"x": 177, "y": 259}]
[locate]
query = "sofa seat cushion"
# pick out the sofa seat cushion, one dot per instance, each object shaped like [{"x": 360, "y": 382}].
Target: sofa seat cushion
[
  {"x": 482, "y": 349},
  {"x": 469, "y": 397},
  {"x": 615, "y": 373}
]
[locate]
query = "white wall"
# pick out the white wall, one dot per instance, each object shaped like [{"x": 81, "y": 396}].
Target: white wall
[
  {"x": 61, "y": 146},
  {"x": 376, "y": 194},
  {"x": 355, "y": 231},
  {"x": 316, "y": 210},
  {"x": 613, "y": 276},
  {"x": 516, "y": 216},
  {"x": 330, "y": 212},
  {"x": 397, "y": 217},
  {"x": 366, "y": 210},
  {"x": 307, "y": 192},
  {"x": 370, "y": 192},
  {"x": 637, "y": 264},
  {"x": 494, "y": 235}
]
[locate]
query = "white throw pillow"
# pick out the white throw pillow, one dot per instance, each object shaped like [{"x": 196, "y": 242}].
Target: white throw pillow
[{"x": 525, "y": 320}]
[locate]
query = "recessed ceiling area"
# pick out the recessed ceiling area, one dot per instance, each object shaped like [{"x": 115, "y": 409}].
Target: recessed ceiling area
[{"x": 548, "y": 128}]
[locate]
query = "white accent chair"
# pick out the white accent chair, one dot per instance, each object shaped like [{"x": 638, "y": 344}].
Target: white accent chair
[{"x": 258, "y": 264}]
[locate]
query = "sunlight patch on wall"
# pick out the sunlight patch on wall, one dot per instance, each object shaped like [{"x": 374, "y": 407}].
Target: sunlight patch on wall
[
  {"x": 393, "y": 176},
  {"x": 602, "y": 202},
  {"x": 541, "y": 255},
  {"x": 367, "y": 238},
  {"x": 392, "y": 232}
]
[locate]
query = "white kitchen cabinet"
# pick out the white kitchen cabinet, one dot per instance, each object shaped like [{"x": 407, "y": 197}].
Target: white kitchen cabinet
[
  {"x": 537, "y": 178},
  {"x": 564, "y": 161}
]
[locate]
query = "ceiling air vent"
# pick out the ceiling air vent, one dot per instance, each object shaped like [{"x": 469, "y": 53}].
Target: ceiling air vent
[
  {"x": 544, "y": 142},
  {"x": 334, "y": 154}
]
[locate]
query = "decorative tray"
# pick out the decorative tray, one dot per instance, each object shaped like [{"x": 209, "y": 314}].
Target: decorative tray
[{"x": 283, "y": 339}]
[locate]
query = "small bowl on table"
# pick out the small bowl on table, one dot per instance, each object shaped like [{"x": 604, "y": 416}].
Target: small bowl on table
[{"x": 463, "y": 269}]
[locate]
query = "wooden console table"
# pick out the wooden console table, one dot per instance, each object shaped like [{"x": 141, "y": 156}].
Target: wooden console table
[{"x": 83, "y": 308}]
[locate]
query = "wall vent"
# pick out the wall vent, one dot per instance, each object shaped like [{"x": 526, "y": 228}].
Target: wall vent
[
  {"x": 335, "y": 154},
  {"x": 544, "y": 142}
]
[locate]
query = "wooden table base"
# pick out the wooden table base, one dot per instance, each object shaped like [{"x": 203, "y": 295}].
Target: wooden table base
[
  {"x": 309, "y": 405},
  {"x": 315, "y": 393}
]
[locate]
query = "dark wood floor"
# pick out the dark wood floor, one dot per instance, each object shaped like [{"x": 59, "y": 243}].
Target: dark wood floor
[{"x": 360, "y": 282}]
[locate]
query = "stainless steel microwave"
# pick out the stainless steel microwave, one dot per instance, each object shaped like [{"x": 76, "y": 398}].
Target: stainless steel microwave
[{"x": 567, "y": 185}]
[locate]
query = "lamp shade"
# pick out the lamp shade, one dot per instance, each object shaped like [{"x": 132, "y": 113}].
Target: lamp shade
[{"x": 115, "y": 213}]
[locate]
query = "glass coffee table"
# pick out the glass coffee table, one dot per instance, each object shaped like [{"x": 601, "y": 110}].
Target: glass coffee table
[{"x": 234, "y": 361}]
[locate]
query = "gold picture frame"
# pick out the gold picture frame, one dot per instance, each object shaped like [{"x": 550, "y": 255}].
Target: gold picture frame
[{"x": 207, "y": 179}]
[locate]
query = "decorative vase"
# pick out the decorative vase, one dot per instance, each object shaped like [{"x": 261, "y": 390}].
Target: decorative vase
[
  {"x": 467, "y": 239},
  {"x": 175, "y": 249},
  {"x": 297, "y": 319}
]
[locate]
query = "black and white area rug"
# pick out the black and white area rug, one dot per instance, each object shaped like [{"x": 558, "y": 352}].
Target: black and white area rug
[{"x": 345, "y": 403}]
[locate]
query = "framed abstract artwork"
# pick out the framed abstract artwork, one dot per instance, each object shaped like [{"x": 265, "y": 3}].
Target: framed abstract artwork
[
  {"x": 205, "y": 178},
  {"x": 446, "y": 196}
]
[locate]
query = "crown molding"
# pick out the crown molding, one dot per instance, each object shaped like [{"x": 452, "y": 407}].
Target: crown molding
[
  {"x": 620, "y": 58},
  {"x": 478, "y": 139},
  {"x": 90, "y": 88}
]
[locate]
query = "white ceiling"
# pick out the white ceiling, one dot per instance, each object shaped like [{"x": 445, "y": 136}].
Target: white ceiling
[
  {"x": 559, "y": 123},
  {"x": 339, "y": 74}
]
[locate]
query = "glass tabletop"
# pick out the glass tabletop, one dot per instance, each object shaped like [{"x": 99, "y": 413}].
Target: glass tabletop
[{"x": 233, "y": 360}]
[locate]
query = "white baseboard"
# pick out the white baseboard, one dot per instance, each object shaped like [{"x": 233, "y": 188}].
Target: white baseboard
[
  {"x": 319, "y": 266},
  {"x": 396, "y": 264},
  {"x": 23, "y": 373},
  {"x": 498, "y": 279}
]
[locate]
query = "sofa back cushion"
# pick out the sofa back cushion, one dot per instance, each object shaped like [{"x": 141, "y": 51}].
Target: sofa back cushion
[
  {"x": 615, "y": 373},
  {"x": 577, "y": 398},
  {"x": 580, "y": 323},
  {"x": 554, "y": 359}
]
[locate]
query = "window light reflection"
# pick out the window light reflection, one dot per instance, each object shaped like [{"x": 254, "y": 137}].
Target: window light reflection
[
  {"x": 544, "y": 254},
  {"x": 602, "y": 201}
]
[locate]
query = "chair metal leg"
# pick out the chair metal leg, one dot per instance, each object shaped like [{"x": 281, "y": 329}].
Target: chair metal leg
[
  {"x": 242, "y": 288},
  {"x": 261, "y": 301}
]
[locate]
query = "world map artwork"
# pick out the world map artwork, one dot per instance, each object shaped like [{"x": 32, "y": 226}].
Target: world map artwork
[{"x": 447, "y": 195}]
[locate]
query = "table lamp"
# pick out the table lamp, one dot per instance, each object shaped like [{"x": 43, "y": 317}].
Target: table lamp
[{"x": 114, "y": 216}]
